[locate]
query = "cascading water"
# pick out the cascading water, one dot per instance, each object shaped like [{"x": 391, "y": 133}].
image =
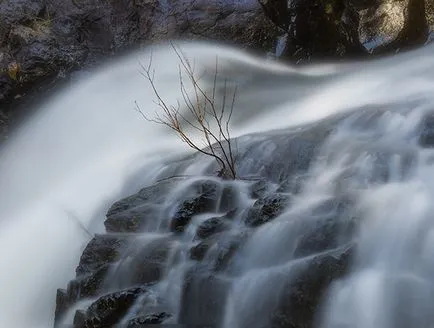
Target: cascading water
[{"x": 75, "y": 157}]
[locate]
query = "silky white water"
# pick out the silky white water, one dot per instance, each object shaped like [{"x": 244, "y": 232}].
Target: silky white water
[{"x": 72, "y": 159}]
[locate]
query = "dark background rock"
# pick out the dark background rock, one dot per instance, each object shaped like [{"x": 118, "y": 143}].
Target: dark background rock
[
  {"x": 44, "y": 40},
  {"x": 333, "y": 29}
]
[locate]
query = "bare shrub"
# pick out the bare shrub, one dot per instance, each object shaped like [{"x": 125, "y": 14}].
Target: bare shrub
[{"x": 203, "y": 113}]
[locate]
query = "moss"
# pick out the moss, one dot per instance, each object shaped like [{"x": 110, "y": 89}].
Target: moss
[{"x": 13, "y": 70}]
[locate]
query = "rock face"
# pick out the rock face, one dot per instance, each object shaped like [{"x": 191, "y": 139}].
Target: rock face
[
  {"x": 175, "y": 250},
  {"x": 334, "y": 28},
  {"x": 44, "y": 39}
]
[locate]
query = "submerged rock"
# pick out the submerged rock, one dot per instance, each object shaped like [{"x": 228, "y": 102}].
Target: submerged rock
[
  {"x": 426, "y": 138},
  {"x": 211, "y": 290},
  {"x": 301, "y": 297},
  {"x": 333, "y": 225},
  {"x": 149, "y": 264},
  {"x": 212, "y": 226}
]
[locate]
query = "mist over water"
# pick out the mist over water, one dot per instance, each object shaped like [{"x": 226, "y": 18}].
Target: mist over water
[{"x": 74, "y": 157}]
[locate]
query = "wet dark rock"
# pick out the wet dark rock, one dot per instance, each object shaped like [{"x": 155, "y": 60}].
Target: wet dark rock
[
  {"x": 150, "y": 264},
  {"x": 222, "y": 248},
  {"x": 229, "y": 199},
  {"x": 150, "y": 319},
  {"x": 266, "y": 209},
  {"x": 79, "y": 319},
  {"x": 212, "y": 226},
  {"x": 147, "y": 264},
  {"x": 108, "y": 309},
  {"x": 102, "y": 249},
  {"x": 426, "y": 138},
  {"x": 260, "y": 188},
  {"x": 205, "y": 200},
  {"x": 62, "y": 304},
  {"x": 133, "y": 213},
  {"x": 226, "y": 250},
  {"x": 324, "y": 235},
  {"x": 212, "y": 292},
  {"x": 88, "y": 285},
  {"x": 199, "y": 251},
  {"x": 281, "y": 157},
  {"x": 301, "y": 297}
]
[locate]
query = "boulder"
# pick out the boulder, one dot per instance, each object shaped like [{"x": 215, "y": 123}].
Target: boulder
[
  {"x": 301, "y": 297},
  {"x": 199, "y": 251},
  {"x": 390, "y": 25},
  {"x": 108, "y": 310},
  {"x": 266, "y": 209},
  {"x": 145, "y": 264},
  {"x": 134, "y": 213},
  {"x": 102, "y": 249},
  {"x": 205, "y": 198},
  {"x": 150, "y": 319},
  {"x": 222, "y": 248},
  {"x": 212, "y": 226},
  {"x": 89, "y": 285}
]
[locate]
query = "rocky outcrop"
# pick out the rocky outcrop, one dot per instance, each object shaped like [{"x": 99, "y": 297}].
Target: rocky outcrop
[
  {"x": 42, "y": 40},
  {"x": 174, "y": 250}
]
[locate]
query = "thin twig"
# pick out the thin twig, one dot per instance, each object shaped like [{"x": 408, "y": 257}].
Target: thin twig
[{"x": 204, "y": 113}]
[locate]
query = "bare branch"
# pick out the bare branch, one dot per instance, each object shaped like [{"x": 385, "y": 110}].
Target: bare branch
[{"x": 206, "y": 119}]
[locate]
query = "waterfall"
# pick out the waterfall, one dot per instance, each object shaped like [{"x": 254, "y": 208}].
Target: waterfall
[{"x": 87, "y": 147}]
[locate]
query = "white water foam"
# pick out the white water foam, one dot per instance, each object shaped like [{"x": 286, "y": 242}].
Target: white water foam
[{"x": 76, "y": 152}]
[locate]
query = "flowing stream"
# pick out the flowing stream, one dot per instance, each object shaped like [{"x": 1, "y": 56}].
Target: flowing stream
[{"x": 71, "y": 160}]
